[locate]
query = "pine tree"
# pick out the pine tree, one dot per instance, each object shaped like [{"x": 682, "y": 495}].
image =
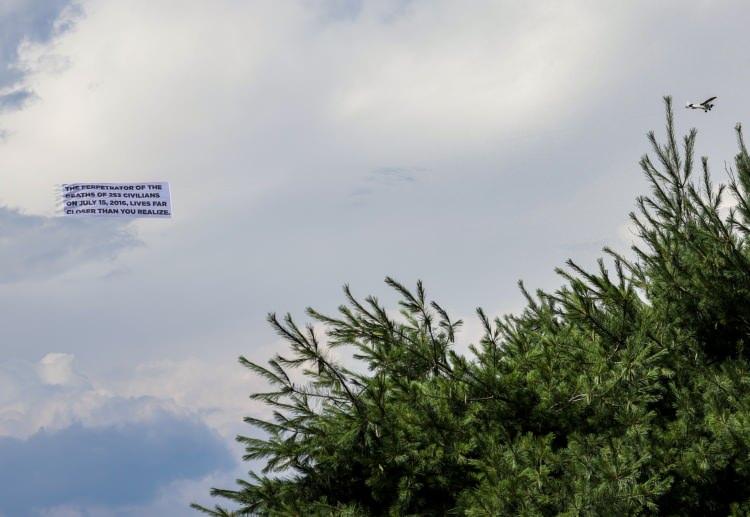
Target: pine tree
[{"x": 624, "y": 392}]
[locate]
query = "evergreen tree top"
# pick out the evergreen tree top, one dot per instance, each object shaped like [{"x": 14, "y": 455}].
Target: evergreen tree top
[{"x": 624, "y": 392}]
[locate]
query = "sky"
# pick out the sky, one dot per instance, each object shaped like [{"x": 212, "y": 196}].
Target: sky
[{"x": 309, "y": 144}]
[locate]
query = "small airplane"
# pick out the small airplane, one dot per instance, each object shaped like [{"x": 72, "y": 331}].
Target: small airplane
[{"x": 705, "y": 105}]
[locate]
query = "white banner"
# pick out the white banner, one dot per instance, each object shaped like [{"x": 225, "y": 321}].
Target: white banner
[{"x": 150, "y": 199}]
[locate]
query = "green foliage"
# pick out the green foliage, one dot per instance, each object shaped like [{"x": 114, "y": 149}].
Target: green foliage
[{"x": 625, "y": 392}]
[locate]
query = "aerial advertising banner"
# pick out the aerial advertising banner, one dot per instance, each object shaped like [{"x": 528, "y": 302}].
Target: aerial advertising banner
[{"x": 130, "y": 200}]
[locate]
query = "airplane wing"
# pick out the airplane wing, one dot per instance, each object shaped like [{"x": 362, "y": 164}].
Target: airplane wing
[{"x": 709, "y": 100}]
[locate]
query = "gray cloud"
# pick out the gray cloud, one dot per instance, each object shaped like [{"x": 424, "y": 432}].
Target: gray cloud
[
  {"x": 342, "y": 9},
  {"x": 111, "y": 466},
  {"x": 351, "y": 10},
  {"x": 15, "y": 100},
  {"x": 392, "y": 175},
  {"x": 33, "y": 247},
  {"x": 384, "y": 179}
]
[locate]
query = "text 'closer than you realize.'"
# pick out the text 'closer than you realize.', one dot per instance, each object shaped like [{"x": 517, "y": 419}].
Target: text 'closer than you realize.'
[{"x": 150, "y": 199}]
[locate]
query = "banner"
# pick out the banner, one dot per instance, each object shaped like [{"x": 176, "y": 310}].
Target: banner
[{"x": 150, "y": 199}]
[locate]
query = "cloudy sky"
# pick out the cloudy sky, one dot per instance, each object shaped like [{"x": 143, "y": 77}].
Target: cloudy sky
[{"x": 309, "y": 144}]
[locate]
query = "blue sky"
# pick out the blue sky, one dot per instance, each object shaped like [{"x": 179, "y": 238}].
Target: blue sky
[{"x": 309, "y": 144}]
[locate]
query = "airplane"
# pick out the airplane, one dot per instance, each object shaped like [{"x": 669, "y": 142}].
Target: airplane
[{"x": 705, "y": 105}]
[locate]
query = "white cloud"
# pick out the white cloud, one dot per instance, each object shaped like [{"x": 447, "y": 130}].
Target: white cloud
[
  {"x": 230, "y": 87},
  {"x": 57, "y": 369},
  {"x": 265, "y": 116},
  {"x": 52, "y": 395},
  {"x": 217, "y": 391}
]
